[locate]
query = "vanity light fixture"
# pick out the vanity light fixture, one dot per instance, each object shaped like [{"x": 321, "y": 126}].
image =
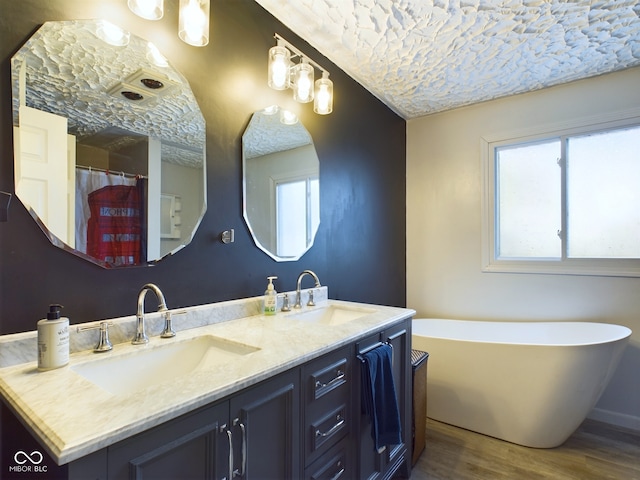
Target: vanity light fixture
[
  {"x": 193, "y": 18},
  {"x": 193, "y": 23},
  {"x": 147, "y": 9},
  {"x": 283, "y": 74}
]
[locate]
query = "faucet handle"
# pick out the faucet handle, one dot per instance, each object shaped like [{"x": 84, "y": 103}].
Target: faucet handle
[
  {"x": 285, "y": 303},
  {"x": 311, "y": 303},
  {"x": 103, "y": 345},
  {"x": 168, "y": 331}
]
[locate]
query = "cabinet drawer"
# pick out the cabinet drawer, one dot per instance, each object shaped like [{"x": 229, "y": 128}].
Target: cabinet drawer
[
  {"x": 327, "y": 429},
  {"x": 336, "y": 464},
  {"x": 328, "y": 378},
  {"x": 328, "y": 404}
]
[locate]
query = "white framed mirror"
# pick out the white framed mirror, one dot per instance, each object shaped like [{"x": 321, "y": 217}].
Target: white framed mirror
[
  {"x": 108, "y": 140},
  {"x": 281, "y": 184}
]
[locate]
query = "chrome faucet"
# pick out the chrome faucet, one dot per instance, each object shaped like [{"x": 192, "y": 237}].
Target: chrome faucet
[
  {"x": 298, "y": 295},
  {"x": 141, "y": 337}
]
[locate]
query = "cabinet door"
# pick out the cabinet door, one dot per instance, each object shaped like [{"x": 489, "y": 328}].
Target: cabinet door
[
  {"x": 394, "y": 458},
  {"x": 193, "y": 446},
  {"x": 266, "y": 429}
]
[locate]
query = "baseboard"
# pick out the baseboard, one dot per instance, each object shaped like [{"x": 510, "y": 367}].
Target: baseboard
[{"x": 614, "y": 418}]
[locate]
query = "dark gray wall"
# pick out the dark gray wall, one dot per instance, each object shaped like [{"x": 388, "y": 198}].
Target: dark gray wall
[{"x": 360, "y": 248}]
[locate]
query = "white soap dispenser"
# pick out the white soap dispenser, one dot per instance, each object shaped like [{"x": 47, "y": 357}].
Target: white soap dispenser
[
  {"x": 53, "y": 340},
  {"x": 270, "y": 298}
]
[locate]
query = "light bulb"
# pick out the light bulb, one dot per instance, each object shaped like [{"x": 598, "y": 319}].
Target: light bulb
[
  {"x": 279, "y": 66},
  {"x": 194, "y": 22},
  {"x": 323, "y": 104},
  {"x": 147, "y": 9},
  {"x": 303, "y": 83}
]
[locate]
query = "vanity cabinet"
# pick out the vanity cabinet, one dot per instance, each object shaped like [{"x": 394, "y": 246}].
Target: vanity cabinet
[
  {"x": 304, "y": 423},
  {"x": 265, "y": 422},
  {"x": 252, "y": 435},
  {"x": 393, "y": 458},
  {"x": 193, "y": 446}
]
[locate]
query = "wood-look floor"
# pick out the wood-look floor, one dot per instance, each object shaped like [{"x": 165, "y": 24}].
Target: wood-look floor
[{"x": 596, "y": 451}]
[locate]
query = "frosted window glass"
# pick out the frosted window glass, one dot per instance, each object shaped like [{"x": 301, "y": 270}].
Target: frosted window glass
[
  {"x": 603, "y": 192},
  {"x": 291, "y": 218},
  {"x": 529, "y": 200},
  {"x": 314, "y": 206}
]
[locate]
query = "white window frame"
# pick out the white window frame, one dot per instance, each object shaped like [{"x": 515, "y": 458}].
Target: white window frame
[{"x": 562, "y": 266}]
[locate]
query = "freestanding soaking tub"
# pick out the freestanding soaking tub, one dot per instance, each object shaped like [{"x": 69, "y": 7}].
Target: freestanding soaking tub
[{"x": 530, "y": 383}]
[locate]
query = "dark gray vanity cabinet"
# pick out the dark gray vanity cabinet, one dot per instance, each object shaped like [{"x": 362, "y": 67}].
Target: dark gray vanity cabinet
[
  {"x": 304, "y": 423},
  {"x": 265, "y": 423},
  {"x": 194, "y": 446},
  {"x": 253, "y": 435},
  {"x": 394, "y": 459}
]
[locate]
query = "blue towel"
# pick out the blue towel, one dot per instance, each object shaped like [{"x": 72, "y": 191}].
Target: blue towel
[{"x": 379, "y": 397}]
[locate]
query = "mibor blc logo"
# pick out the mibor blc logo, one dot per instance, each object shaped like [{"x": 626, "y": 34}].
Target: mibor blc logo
[{"x": 28, "y": 462}]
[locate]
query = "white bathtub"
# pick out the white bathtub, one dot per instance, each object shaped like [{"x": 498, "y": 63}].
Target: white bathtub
[{"x": 530, "y": 383}]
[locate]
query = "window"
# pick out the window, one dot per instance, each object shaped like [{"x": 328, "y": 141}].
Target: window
[
  {"x": 564, "y": 201},
  {"x": 297, "y": 215}
]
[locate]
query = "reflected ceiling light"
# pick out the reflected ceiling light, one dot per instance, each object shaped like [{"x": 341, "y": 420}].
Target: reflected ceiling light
[
  {"x": 283, "y": 74},
  {"x": 288, "y": 118},
  {"x": 147, "y": 9},
  {"x": 193, "y": 24},
  {"x": 112, "y": 34},
  {"x": 155, "y": 57}
]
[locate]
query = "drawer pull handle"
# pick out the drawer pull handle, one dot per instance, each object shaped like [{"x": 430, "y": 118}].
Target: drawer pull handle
[
  {"x": 339, "y": 376},
  {"x": 333, "y": 429},
  {"x": 338, "y": 475}
]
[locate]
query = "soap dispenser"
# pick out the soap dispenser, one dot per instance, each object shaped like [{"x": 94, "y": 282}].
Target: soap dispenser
[
  {"x": 53, "y": 340},
  {"x": 270, "y": 298}
]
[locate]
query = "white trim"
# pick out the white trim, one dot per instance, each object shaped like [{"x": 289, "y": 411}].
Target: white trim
[
  {"x": 614, "y": 418},
  {"x": 603, "y": 267}
]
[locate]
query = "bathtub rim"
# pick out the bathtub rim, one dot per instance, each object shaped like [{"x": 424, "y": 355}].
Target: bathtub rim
[{"x": 623, "y": 332}]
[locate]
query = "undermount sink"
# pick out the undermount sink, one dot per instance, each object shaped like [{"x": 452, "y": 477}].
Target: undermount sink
[
  {"x": 152, "y": 365},
  {"x": 332, "y": 315}
]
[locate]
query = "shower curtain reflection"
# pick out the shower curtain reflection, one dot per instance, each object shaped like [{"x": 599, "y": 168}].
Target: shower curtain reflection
[{"x": 110, "y": 222}]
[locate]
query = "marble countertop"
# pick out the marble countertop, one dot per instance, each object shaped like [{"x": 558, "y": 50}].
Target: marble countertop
[{"x": 73, "y": 417}]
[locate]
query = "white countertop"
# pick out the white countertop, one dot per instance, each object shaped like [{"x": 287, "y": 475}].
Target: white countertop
[{"x": 72, "y": 417}]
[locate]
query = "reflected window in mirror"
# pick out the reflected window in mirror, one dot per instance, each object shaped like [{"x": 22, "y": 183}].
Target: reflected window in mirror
[
  {"x": 103, "y": 134},
  {"x": 281, "y": 185}
]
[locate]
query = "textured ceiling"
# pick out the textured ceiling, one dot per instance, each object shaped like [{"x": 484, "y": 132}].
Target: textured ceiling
[
  {"x": 69, "y": 71},
  {"x": 425, "y": 56}
]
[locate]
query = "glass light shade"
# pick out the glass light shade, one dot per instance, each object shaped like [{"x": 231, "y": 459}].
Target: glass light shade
[
  {"x": 279, "y": 67},
  {"x": 147, "y": 9},
  {"x": 193, "y": 23},
  {"x": 112, "y": 34},
  {"x": 323, "y": 103},
  {"x": 302, "y": 80}
]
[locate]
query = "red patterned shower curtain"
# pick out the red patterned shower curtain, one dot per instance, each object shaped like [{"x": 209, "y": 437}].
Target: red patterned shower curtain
[{"x": 115, "y": 230}]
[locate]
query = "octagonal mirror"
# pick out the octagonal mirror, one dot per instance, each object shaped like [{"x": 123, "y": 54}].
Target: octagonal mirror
[
  {"x": 109, "y": 144},
  {"x": 281, "y": 184}
]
